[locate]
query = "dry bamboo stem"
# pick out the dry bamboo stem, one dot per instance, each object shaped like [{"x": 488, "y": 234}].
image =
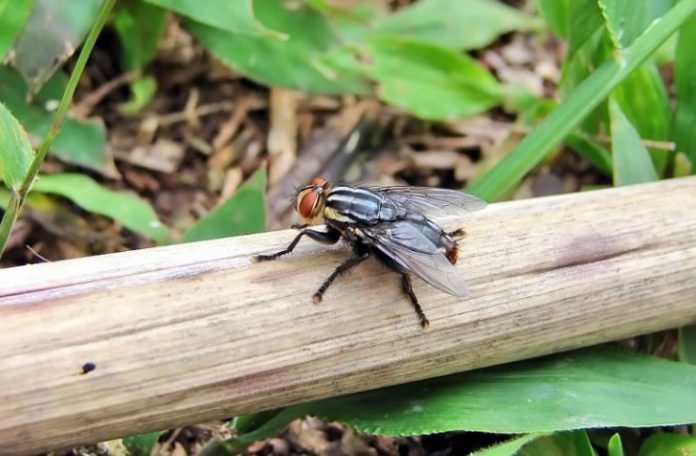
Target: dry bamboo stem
[{"x": 188, "y": 333}]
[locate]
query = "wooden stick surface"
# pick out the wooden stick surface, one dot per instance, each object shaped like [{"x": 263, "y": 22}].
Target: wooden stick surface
[{"x": 188, "y": 333}]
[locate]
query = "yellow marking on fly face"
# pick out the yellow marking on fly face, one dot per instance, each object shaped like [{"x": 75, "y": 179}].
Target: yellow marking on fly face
[{"x": 332, "y": 214}]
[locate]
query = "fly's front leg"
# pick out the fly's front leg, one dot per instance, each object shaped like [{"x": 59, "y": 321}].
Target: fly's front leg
[
  {"x": 361, "y": 255},
  {"x": 329, "y": 236},
  {"x": 408, "y": 289}
]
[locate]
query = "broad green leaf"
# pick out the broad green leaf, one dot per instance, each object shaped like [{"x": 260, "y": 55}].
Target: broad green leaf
[
  {"x": 429, "y": 81},
  {"x": 643, "y": 99},
  {"x": 665, "y": 444},
  {"x": 141, "y": 445},
  {"x": 598, "y": 387},
  {"x": 243, "y": 213},
  {"x": 626, "y": 21},
  {"x": 232, "y": 16},
  {"x": 510, "y": 448},
  {"x": 53, "y": 31},
  {"x": 131, "y": 211},
  {"x": 632, "y": 163},
  {"x": 441, "y": 22},
  {"x": 15, "y": 150},
  {"x": 13, "y": 15},
  {"x": 289, "y": 62},
  {"x": 589, "y": 47},
  {"x": 556, "y": 14},
  {"x": 615, "y": 447},
  {"x": 79, "y": 142},
  {"x": 585, "y": 20},
  {"x": 685, "y": 85},
  {"x": 578, "y": 104},
  {"x": 139, "y": 26},
  {"x": 687, "y": 344}
]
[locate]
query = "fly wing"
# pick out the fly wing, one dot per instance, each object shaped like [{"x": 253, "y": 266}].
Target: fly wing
[
  {"x": 431, "y": 201},
  {"x": 403, "y": 242}
]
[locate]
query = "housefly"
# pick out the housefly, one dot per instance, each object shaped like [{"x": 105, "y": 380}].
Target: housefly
[{"x": 391, "y": 223}]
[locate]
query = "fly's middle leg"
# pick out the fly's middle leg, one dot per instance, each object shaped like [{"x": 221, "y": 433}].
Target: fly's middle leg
[
  {"x": 325, "y": 237},
  {"x": 360, "y": 256},
  {"x": 408, "y": 289}
]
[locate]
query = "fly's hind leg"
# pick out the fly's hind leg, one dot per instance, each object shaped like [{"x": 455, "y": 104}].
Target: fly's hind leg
[
  {"x": 361, "y": 254},
  {"x": 457, "y": 234},
  {"x": 450, "y": 244},
  {"x": 408, "y": 289}
]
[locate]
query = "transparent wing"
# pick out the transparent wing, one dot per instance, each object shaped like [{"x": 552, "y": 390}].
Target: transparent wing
[
  {"x": 403, "y": 242},
  {"x": 431, "y": 201}
]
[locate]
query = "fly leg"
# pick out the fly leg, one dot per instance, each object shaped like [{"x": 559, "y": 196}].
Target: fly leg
[
  {"x": 361, "y": 254},
  {"x": 408, "y": 289},
  {"x": 450, "y": 244},
  {"x": 459, "y": 233},
  {"x": 329, "y": 236}
]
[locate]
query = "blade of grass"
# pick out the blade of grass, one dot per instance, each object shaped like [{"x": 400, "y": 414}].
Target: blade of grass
[
  {"x": 579, "y": 103},
  {"x": 684, "y": 82},
  {"x": 18, "y": 197}
]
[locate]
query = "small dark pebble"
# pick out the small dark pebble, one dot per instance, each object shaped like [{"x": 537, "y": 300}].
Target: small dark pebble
[{"x": 88, "y": 367}]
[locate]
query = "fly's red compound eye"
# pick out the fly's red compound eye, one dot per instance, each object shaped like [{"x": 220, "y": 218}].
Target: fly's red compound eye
[
  {"x": 307, "y": 203},
  {"x": 317, "y": 181}
]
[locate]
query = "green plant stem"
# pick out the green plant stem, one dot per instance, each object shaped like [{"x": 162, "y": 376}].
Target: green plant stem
[
  {"x": 11, "y": 213},
  {"x": 582, "y": 101},
  {"x": 17, "y": 201}
]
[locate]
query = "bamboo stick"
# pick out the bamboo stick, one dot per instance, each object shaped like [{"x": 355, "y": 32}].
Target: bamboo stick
[{"x": 187, "y": 333}]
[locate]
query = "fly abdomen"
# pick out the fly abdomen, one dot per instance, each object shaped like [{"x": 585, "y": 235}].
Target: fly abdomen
[
  {"x": 435, "y": 234},
  {"x": 360, "y": 205}
]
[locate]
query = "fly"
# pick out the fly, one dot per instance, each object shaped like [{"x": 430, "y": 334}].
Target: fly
[{"x": 391, "y": 223}]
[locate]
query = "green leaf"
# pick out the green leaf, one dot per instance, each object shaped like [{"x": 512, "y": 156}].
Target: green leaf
[
  {"x": 231, "y": 16},
  {"x": 641, "y": 93},
  {"x": 669, "y": 445},
  {"x": 615, "y": 446},
  {"x": 441, "y": 22},
  {"x": 13, "y": 16},
  {"x": 509, "y": 448},
  {"x": 140, "y": 26},
  {"x": 78, "y": 142},
  {"x": 589, "y": 48},
  {"x": 286, "y": 63},
  {"x": 687, "y": 344},
  {"x": 131, "y": 211},
  {"x": 53, "y": 31},
  {"x": 429, "y": 81},
  {"x": 555, "y": 13},
  {"x": 685, "y": 86},
  {"x": 141, "y": 445},
  {"x": 626, "y": 21},
  {"x": 632, "y": 163},
  {"x": 15, "y": 150},
  {"x": 577, "y": 105},
  {"x": 560, "y": 444},
  {"x": 598, "y": 387},
  {"x": 243, "y": 213},
  {"x": 142, "y": 89}
]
